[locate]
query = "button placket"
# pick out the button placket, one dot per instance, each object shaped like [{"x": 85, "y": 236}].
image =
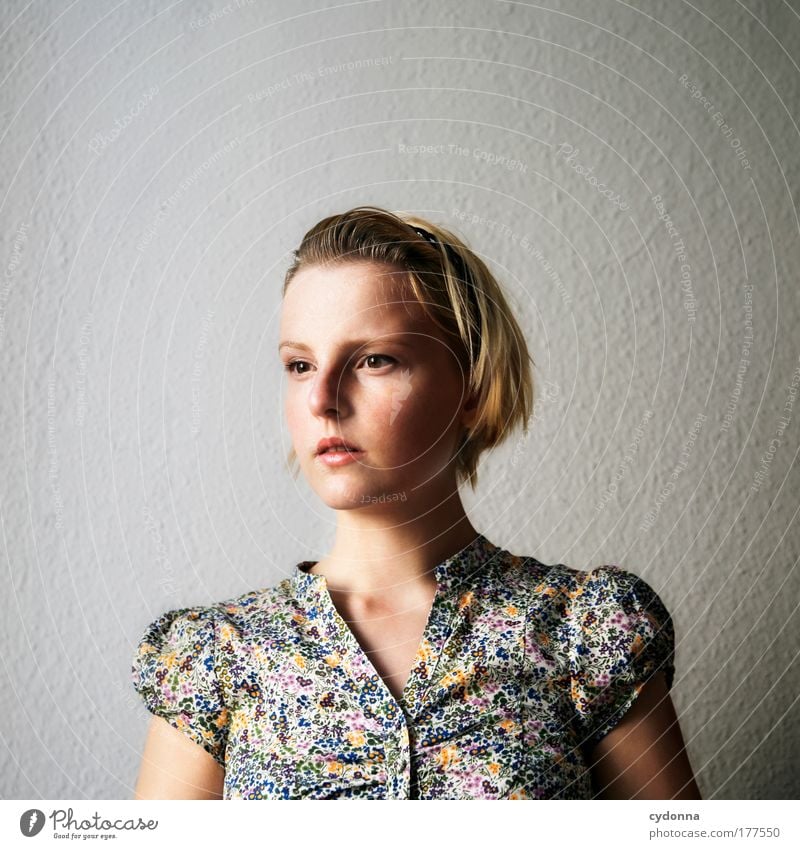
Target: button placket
[
  {"x": 396, "y": 746},
  {"x": 455, "y": 576}
]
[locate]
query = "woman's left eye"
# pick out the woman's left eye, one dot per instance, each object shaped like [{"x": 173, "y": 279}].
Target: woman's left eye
[{"x": 379, "y": 357}]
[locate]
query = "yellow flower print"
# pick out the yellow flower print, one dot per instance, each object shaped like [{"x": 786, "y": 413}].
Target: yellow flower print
[
  {"x": 425, "y": 651},
  {"x": 356, "y": 738},
  {"x": 238, "y": 722},
  {"x": 300, "y": 661},
  {"x": 448, "y": 756},
  {"x": 457, "y": 676}
]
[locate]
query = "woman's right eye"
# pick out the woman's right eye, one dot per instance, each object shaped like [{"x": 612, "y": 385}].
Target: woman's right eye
[{"x": 290, "y": 366}]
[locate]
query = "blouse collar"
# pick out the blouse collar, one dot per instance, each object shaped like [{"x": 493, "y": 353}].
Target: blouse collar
[{"x": 453, "y": 573}]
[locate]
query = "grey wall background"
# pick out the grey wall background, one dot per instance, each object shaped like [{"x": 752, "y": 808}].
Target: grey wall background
[{"x": 160, "y": 160}]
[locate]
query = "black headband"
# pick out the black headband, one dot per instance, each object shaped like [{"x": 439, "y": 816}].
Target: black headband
[
  {"x": 460, "y": 267},
  {"x": 426, "y": 235},
  {"x": 454, "y": 257}
]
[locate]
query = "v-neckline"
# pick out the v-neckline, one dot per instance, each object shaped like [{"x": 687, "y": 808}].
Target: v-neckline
[
  {"x": 420, "y": 643},
  {"x": 346, "y": 633},
  {"x": 453, "y": 579}
]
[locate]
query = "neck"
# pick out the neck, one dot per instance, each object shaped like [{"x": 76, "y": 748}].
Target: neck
[{"x": 394, "y": 557}]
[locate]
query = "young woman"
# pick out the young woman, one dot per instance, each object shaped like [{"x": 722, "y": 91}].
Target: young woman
[{"x": 417, "y": 659}]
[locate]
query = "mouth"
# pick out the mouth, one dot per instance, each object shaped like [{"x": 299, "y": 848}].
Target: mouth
[
  {"x": 334, "y": 456},
  {"x": 335, "y": 445}
]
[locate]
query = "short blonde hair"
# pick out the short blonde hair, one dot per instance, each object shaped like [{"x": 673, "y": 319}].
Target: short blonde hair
[{"x": 460, "y": 294}]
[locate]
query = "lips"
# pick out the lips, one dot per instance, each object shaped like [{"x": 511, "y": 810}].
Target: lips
[{"x": 332, "y": 442}]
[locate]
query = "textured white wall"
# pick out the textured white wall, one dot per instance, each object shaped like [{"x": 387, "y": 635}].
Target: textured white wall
[{"x": 159, "y": 162}]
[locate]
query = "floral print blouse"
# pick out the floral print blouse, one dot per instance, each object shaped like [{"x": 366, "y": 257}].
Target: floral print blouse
[{"x": 521, "y": 669}]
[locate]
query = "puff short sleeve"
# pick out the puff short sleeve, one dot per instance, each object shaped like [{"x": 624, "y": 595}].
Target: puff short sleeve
[
  {"x": 175, "y": 673},
  {"x": 621, "y": 634}
]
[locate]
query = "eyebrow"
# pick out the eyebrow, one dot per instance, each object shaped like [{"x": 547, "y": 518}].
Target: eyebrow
[{"x": 358, "y": 343}]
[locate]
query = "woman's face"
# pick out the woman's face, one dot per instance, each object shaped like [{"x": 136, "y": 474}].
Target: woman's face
[{"x": 365, "y": 364}]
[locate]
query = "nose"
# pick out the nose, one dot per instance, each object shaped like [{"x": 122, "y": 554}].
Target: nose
[{"x": 328, "y": 393}]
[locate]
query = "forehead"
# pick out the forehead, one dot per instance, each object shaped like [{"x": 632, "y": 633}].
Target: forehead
[{"x": 363, "y": 296}]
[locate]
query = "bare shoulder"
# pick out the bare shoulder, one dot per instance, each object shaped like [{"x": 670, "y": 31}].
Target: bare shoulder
[
  {"x": 175, "y": 767},
  {"x": 644, "y": 756}
]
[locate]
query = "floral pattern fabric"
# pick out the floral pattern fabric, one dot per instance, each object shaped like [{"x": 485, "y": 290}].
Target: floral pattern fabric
[{"x": 521, "y": 669}]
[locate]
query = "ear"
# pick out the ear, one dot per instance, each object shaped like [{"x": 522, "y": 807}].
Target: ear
[{"x": 469, "y": 411}]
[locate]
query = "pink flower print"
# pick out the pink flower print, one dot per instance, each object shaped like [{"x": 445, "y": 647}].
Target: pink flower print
[
  {"x": 355, "y": 721},
  {"x": 474, "y": 785},
  {"x": 621, "y": 621}
]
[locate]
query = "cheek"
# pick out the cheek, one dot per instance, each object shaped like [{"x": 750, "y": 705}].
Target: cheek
[
  {"x": 421, "y": 417},
  {"x": 296, "y": 413}
]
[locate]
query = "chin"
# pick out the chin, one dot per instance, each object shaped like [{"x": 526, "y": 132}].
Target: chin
[
  {"x": 344, "y": 494},
  {"x": 337, "y": 491},
  {"x": 337, "y": 499}
]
